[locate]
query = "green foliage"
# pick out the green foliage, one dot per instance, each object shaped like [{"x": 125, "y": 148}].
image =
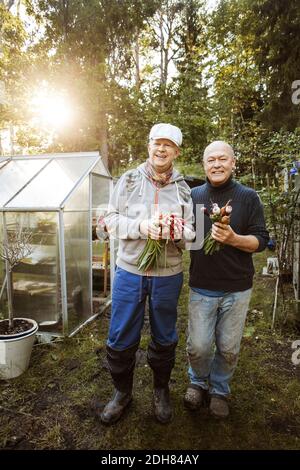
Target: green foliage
[
  {"x": 12, "y": 65},
  {"x": 263, "y": 155},
  {"x": 231, "y": 68},
  {"x": 256, "y": 44},
  {"x": 86, "y": 49},
  {"x": 275, "y": 29},
  {"x": 237, "y": 84}
]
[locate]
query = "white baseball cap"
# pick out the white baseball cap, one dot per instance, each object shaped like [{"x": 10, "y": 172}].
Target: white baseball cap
[{"x": 166, "y": 131}]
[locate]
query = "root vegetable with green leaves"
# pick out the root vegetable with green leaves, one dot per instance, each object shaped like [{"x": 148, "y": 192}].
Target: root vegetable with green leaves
[
  {"x": 210, "y": 245},
  {"x": 151, "y": 254}
]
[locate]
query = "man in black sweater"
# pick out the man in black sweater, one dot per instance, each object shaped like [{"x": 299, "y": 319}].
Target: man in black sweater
[{"x": 221, "y": 283}]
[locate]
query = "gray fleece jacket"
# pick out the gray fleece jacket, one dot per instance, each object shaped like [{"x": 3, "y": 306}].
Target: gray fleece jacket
[{"x": 133, "y": 200}]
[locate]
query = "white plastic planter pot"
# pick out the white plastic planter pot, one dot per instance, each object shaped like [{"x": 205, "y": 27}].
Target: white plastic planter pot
[{"x": 15, "y": 351}]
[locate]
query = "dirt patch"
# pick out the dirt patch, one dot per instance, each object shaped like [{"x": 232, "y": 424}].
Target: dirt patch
[
  {"x": 285, "y": 425},
  {"x": 71, "y": 364},
  {"x": 280, "y": 357},
  {"x": 141, "y": 358}
]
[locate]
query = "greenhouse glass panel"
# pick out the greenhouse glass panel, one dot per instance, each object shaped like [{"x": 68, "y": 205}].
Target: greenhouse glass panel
[
  {"x": 100, "y": 169},
  {"x": 101, "y": 253},
  {"x": 77, "y": 256},
  {"x": 2, "y": 269},
  {"x": 75, "y": 167},
  {"x": 53, "y": 184},
  {"x": 51, "y": 197},
  {"x": 3, "y": 161},
  {"x": 36, "y": 281},
  {"x": 100, "y": 194},
  {"x": 15, "y": 174}
]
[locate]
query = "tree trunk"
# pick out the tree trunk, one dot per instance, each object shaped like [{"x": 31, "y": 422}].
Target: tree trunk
[
  {"x": 65, "y": 8},
  {"x": 162, "y": 46},
  {"x": 253, "y": 173},
  {"x": 18, "y": 8},
  {"x": 8, "y": 4},
  {"x": 103, "y": 137},
  {"x": 163, "y": 58},
  {"x": 102, "y": 132},
  {"x": 12, "y": 139},
  {"x": 1, "y": 148},
  {"x": 137, "y": 62}
]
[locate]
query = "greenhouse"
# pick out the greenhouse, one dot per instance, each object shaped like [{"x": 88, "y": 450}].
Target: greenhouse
[{"x": 56, "y": 198}]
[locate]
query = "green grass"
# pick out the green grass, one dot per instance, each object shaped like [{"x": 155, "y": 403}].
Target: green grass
[{"x": 49, "y": 406}]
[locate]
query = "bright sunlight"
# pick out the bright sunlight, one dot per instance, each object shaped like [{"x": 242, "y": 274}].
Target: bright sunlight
[{"x": 51, "y": 109}]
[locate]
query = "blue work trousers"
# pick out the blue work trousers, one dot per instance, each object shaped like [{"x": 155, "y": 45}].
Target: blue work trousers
[
  {"x": 128, "y": 308},
  {"x": 129, "y": 296}
]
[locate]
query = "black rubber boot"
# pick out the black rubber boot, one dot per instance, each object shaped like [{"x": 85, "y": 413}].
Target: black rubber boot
[
  {"x": 161, "y": 359},
  {"x": 162, "y": 405},
  {"x": 116, "y": 407},
  {"x": 121, "y": 366}
]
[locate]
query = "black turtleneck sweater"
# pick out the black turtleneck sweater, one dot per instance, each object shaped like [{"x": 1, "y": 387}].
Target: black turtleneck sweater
[{"x": 230, "y": 269}]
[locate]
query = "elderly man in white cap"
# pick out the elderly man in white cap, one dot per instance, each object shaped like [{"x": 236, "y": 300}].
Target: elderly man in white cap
[
  {"x": 139, "y": 197},
  {"x": 221, "y": 282}
]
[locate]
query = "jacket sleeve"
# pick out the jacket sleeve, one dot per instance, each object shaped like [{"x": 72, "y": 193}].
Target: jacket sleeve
[
  {"x": 256, "y": 223},
  {"x": 118, "y": 224}
]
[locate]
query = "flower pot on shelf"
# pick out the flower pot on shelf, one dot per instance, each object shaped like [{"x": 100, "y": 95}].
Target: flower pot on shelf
[{"x": 15, "y": 349}]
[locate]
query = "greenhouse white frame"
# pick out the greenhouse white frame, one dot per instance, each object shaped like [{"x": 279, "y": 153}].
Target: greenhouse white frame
[{"x": 56, "y": 191}]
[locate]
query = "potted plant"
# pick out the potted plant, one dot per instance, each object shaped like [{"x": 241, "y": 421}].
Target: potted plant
[{"x": 17, "y": 335}]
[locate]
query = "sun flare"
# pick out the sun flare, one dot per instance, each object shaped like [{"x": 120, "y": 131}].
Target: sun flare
[{"x": 51, "y": 110}]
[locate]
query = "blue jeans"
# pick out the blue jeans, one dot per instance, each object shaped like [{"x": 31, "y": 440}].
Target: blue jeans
[
  {"x": 215, "y": 331},
  {"x": 128, "y": 308}
]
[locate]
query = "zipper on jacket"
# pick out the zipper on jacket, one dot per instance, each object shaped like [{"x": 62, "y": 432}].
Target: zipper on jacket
[{"x": 156, "y": 206}]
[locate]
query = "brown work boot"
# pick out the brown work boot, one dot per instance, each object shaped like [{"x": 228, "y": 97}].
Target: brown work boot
[
  {"x": 194, "y": 397},
  {"x": 116, "y": 407},
  {"x": 218, "y": 406},
  {"x": 162, "y": 405}
]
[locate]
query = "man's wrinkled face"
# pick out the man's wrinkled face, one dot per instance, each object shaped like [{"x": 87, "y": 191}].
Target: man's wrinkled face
[
  {"x": 218, "y": 167},
  {"x": 162, "y": 152}
]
